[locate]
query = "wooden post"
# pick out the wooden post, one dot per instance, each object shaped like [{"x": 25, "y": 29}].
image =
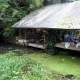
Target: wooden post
[
  {"x": 44, "y": 38},
  {"x": 25, "y": 34},
  {"x": 44, "y": 34},
  {"x": 19, "y": 33}
]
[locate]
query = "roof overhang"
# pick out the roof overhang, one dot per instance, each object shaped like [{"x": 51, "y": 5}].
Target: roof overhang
[{"x": 58, "y": 16}]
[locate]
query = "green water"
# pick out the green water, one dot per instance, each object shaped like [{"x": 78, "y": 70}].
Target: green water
[{"x": 62, "y": 63}]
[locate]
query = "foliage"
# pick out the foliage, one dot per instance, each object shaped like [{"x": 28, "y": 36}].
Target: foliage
[
  {"x": 35, "y": 4},
  {"x": 53, "y": 37},
  {"x": 24, "y": 66},
  {"x": 13, "y": 67},
  {"x": 12, "y": 11},
  {"x": 8, "y": 31},
  {"x": 68, "y": 0}
]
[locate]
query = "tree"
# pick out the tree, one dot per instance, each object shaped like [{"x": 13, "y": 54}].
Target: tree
[{"x": 12, "y": 11}]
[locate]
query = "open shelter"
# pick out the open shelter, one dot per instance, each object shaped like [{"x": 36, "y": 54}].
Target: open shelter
[{"x": 57, "y": 16}]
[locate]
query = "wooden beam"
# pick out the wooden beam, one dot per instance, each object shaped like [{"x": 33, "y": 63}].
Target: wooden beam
[
  {"x": 36, "y": 45},
  {"x": 71, "y": 47}
]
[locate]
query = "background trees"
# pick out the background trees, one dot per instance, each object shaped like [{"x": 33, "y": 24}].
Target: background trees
[{"x": 12, "y": 11}]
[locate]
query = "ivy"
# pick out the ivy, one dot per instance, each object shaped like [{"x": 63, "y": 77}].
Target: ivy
[{"x": 53, "y": 37}]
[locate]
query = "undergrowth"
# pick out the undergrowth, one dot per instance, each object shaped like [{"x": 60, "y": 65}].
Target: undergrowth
[{"x": 13, "y": 67}]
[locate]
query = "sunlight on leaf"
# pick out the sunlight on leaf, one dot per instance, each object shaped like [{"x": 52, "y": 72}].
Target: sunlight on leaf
[
  {"x": 62, "y": 24},
  {"x": 69, "y": 16},
  {"x": 69, "y": 26}
]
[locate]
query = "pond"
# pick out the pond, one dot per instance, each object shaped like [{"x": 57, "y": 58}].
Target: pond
[
  {"x": 5, "y": 47},
  {"x": 64, "y": 65}
]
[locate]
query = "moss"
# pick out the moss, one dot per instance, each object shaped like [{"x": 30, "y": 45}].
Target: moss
[{"x": 62, "y": 63}]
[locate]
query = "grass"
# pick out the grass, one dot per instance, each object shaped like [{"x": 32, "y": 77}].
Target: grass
[
  {"x": 28, "y": 64},
  {"x": 14, "y": 67}
]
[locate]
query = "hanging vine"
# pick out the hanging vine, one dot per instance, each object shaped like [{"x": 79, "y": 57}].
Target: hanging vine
[{"x": 53, "y": 37}]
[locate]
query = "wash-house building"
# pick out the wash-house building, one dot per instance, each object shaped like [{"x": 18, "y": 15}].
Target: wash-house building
[{"x": 32, "y": 27}]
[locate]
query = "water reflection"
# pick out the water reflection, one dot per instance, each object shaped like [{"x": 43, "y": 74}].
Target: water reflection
[{"x": 5, "y": 48}]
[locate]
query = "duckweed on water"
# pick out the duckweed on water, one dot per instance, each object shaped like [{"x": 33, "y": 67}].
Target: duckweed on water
[
  {"x": 24, "y": 64},
  {"x": 64, "y": 62}
]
